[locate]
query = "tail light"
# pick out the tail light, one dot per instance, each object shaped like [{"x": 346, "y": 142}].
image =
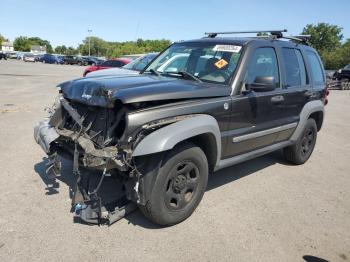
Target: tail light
[{"x": 326, "y": 97}]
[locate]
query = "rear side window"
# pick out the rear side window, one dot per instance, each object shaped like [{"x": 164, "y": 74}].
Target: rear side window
[
  {"x": 295, "y": 72},
  {"x": 316, "y": 68}
]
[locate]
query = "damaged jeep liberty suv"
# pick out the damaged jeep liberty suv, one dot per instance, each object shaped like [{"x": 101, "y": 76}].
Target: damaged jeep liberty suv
[{"x": 199, "y": 106}]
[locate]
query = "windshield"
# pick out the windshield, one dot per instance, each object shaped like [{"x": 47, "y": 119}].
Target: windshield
[
  {"x": 140, "y": 63},
  {"x": 207, "y": 62}
]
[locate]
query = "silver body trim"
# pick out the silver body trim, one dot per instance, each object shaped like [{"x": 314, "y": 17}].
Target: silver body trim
[
  {"x": 264, "y": 132},
  {"x": 167, "y": 137},
  {"x": 250, "y": 155}
]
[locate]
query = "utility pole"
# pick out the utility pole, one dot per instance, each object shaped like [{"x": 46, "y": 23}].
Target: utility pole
[{"x": 89, "y": 31}]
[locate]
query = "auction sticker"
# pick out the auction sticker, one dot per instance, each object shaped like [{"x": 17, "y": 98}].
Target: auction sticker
[
  {"x": 221, "y": 63},
  {"x": 228, "y": 48}
]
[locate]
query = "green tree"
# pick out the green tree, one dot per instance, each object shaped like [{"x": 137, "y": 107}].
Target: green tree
[
  {"x": 2, "y": 39},
  {"x": 61, "y": 49},
  {"x": 22, "y": 43},
  {"x": 324, "y": 37},
  {"x": 41, "y": 42},
  {"x": 71, "y": 51},
  {"x": 100, "y": 47}
]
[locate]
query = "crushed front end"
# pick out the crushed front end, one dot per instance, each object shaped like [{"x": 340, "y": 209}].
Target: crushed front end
[{"x": 90, "y": 136}]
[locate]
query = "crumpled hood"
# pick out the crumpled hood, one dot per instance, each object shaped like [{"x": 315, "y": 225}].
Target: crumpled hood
[{"x": 103, "y": 91}]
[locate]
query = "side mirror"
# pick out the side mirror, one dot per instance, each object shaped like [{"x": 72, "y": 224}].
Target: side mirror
[{"x": 263, "y": 84}]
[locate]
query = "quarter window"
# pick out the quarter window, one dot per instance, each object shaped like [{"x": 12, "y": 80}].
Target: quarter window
[
  {"x": 295, "y": 72},
  {"x": 264, "y": 63},
  {"x": 316, "y": 68}
]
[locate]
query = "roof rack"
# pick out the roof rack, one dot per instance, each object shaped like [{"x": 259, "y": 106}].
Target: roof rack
[
  {"x": 274, "y": 34},
  {"x": 277, "y": 33}
]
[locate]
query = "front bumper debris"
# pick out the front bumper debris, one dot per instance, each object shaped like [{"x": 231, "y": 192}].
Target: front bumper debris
[
  {"x": 45, "y": 134},
  {"x": 56, "y": 140}
]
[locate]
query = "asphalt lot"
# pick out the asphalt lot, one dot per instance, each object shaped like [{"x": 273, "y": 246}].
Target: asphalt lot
[{"x": 261, "y": 210}]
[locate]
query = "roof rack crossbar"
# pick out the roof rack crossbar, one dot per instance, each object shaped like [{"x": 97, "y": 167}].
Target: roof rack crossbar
[{"x": 272, "y": 32}]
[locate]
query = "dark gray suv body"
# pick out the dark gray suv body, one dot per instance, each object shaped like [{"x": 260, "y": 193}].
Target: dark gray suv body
[{"x": 163, "y": 131}]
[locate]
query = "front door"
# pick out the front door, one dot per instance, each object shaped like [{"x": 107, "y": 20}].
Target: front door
[{"x": 256, "y": 116}]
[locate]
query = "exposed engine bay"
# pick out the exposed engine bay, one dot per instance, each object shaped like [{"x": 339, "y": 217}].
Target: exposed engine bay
[{"x": 91, "y": 136}]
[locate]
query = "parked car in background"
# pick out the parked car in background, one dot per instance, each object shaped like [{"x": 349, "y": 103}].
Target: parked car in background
[
  {"x": 3, "y": 56},
  {"x": 38, "y": 58},
  {"x": 12, "y": 55},
  {"x": 118, "y": 62},
  {"x": 29, "y": 58},
  {"x": 134, "y": 67},
  {"x": 20, "y": 55},
  {"x": 91, "y": 60},
  {"x": 343, "y": 73},
  {"x": 132, "y": 57},
  {"x": 75, "y": 60},
  {"x": 52, "y": 59}
]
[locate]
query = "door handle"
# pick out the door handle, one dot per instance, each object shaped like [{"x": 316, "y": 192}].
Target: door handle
[{"x": 277, "y": 99}]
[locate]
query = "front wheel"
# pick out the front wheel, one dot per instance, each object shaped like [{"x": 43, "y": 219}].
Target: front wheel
[
  {"x": 301, "y": 151},
  {"x": 179, "y": 186}
]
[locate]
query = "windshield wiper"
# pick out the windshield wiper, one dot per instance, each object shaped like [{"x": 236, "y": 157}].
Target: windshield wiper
[
  {"x": 189, "y": 76},
  {"x": 186, "y": 75},
  {"x": 154, "y": 72}
]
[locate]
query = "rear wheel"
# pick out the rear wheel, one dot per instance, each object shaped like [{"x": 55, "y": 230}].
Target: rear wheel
[
  {"x": 301, "y": 151},
  {"x": 179, "y": 186}
]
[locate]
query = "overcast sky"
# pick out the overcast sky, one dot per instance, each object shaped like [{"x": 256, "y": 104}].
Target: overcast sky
[{"x": 67, "y": 21}]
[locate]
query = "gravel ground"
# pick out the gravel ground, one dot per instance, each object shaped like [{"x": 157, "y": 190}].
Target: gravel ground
[{"x": 261, "y": 210}]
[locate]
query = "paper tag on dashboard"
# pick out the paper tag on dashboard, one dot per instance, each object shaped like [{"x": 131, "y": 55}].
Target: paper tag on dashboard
[{"x": 228, "y": 48}]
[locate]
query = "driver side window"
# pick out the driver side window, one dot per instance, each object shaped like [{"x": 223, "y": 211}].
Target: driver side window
[{"x": 263, "y": 64}]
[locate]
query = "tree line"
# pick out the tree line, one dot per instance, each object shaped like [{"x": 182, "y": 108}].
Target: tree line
[
  {"x": 326, "y": 38},
  {"x": 98, "y": 46}
]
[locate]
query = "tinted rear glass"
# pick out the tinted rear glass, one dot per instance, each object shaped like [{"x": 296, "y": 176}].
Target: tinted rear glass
[
  {"x": 316, "y": 68},
  {"x": 295, "y": 73}
]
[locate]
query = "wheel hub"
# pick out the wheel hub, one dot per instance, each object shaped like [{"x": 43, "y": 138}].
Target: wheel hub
[{"x": 179, "y": 183}]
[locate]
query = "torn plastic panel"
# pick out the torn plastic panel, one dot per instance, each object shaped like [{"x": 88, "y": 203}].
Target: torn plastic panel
[{"x": 93, "y": 137}]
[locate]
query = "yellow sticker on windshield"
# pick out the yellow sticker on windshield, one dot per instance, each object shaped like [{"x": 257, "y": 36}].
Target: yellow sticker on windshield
[{"x": 221, "y": 63}]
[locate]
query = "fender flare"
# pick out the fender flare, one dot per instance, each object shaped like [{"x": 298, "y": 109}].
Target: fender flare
[
  {"x": 308, "y": 109},
  {"x": 167, "y": 137}
]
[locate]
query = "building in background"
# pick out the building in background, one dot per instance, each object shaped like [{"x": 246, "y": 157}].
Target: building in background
[
  {"x": 7, "y": 47},
  {"x": 38, "y": 50}
]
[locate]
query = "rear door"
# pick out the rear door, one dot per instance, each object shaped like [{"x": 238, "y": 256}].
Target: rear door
[{"x": 296, "y": 87}]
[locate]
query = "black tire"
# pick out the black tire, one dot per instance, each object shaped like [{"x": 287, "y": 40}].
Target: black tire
[
  {"x": 179, "y": 187},
  {"x": 301, "y": 151}
]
